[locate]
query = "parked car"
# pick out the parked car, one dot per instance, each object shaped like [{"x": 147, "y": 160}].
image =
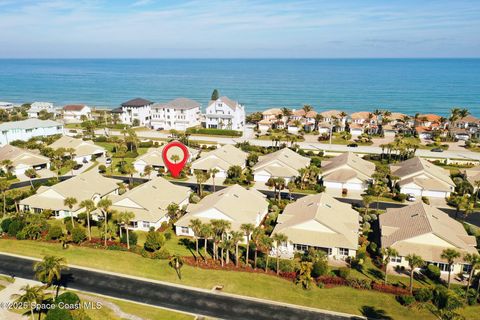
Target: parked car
[
  {"x": 85, "y": 160},
  {"x": 352, "y": 145},
  {"x": 108, "y": 160},
  {"x": 411, "y": 197},
  {"x": 437, "y": 150},
  {"x": 77, "y": 166}
]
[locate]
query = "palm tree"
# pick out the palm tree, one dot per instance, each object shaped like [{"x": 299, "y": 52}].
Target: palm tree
[
  {"x": 104, "y": 206},
  {"x": 247, "y": 228},
  {"x": 49, "y": 270},
  {"x": 89, "y": 206},
  {"x": 196, "y": 225},
  {"x": 175, "y": 158},
  {"x": 387, "y": 253},
  {"x": 414, "y": 262},
  {"x": 31, "y": 173},
  {"x": 266, "y": 244},
  {"x": 176, "y": 262},
  {"x": 279, "y": 238},
  {"x": 219, "y": 227},
  {"x": 124, "y": 218},
  {"x": 70, "y": 202},
  {"x": 236, "y": 237},
  {"x": 256, "y": 238},
  {"x": 367, "y": 201},
  {"x": 307, "y": 108},
  {"x": 212, "y": 172},
  {"x": 474, "y": 260},
  {"x": 8, "y": 164},
  {"x": 4, "y": 186},
  {"x": 206, "y": 232},
  {"x": 450, "y": 255},
  {"x": 129, "y": 169},
  {"x": 305, "y": 274},
  {"x": 31, "y": 296},
  {"x": 147, "y": 170},
  {"x": 201, "y": 177}
]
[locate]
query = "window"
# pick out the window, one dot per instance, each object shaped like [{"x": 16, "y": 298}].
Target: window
[
  {"x": 343, "y": 251},
  {"x": 440, "y": 265},
  {"x": 184, "y": 229},
  {"x": 300, "y": 247},
  {"x": 146, "y": 224},
  {"x": 396, "y": 259},
  {"x": 466, "y": 268}
]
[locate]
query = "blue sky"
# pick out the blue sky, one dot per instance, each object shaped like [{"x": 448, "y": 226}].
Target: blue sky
[{"x": 239, "y": 29}]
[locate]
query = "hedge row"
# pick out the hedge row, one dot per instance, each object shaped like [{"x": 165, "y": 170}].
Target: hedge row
[{"x": 217, "y": 132}]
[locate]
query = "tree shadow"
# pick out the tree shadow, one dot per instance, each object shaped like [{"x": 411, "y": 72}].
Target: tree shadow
[
  {"x": 190, "y": 245},
  {"x": 374, "y": 313},
  {"x": 377, "y": 274}
]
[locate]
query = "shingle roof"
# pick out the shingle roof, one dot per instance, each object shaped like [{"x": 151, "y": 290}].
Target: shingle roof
[
  {"x": 339, "y": 222},
  {"x": 82, "y": 148},
  {"x": 401, "y": 224},
  {"x": 232, "y": 104},
  {"x": 179, "y": 104},
  {"x": 137, "y": 102},
  {"x": 362, "y": 115},
  {"x": 272, "y": 112},
  {"x": 430, "y": 117},
  {"x": 283, "y": 162},
  {"x": 154, "y": 155},
  {"x": 238, "y": 204},
  {"x": 416, "y": 166},
  {"x": 31, "y": 123},
  {"x": 346, "y": 166},
  {"x": 222, "y": 158},
  {"x": 331, "y": 113},
  {"x": 20, "y": 156}
]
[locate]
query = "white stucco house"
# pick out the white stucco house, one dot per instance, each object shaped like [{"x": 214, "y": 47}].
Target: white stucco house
[
  {"x": 178, "y": 114},
  {"x": 73, "y": 113},
  {"x": 319, "y": 222},
  {"x": 37, "y": 107},
  {"x": 425, "y": 231},
  {"x": 136, "y": 109},
  {"x": 27, "y": 129},
  {"x": 283, "y": 163},
  {"x": 224, "y": 113}
]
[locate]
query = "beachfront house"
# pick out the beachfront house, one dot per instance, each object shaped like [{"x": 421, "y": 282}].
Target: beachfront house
[
  {"x": 135, "y": 112},
  {"x": 335, "y": 119},
  {"x": 178, "y": 114},
  {"x": 74, "y": 113},
  {"x": 234, "y": 204},
  {"x": 89, "y": 185},
  {"x": 149, "y": 202},
  {"x": 221, "y": 159},
  {"x": 347, "y": 171},
  {"x": 27, "y": 129},
  {"x": 269, "y": 119},
  {"x": 37, "y": 108},
  {"x": 154, "y": 158},
  {"x": 426, "y": 231},
  {"x": 319, "y": 222},
  {"x": 283, "y": 163},
  {"x": 83, "y": 150},
  {"x": 224, "y": 113},
  {"x": 7, "y": 106},
  {"x": 21, "y": 160},
  {"x": 420, "y": 177}
]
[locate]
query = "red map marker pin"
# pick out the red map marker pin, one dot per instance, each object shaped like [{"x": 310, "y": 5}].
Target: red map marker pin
[{"x": 175, "y": 168}]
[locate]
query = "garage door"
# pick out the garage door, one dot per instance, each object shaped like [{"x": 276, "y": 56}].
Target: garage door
[
  {"x": 261, "y": 177},
  {"x": 434, "y": 194},
  {"x": 416, "y": 192},
  {"x": 353, "y": 186},
  {"x": 332, "y": 185}
]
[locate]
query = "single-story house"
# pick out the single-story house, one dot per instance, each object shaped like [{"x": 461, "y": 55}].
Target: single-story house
[
  {"x": 149, "y": 202},
  {"x": 422, "y": 178},
  {"x": 89, "y": 185},
  {"x": 320, "y": 222},
  {"x": 222, "y": 159},
  {"x": 73, "y": 113},
  {"x": 425, "y": 231},
  {"x": 22, "y": 160},
  {"x": 283, "y": 163},
  {"x": 83, "y": 150},
  {"x": 347, "y": 171},
  {"x": 154, "y": 158},
  {"x": 234, "y": 204},
  {"x": 473, "y": 176}
]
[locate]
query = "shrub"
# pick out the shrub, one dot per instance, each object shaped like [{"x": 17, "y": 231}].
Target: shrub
[
  {"x": 319, "y": 268},
  {"x": 68, "y": 225},
  {"x": 154, "y": 240},
  {"x": 387, "y": 288},
  {"x": 14, "y": 227},
  {"x": 163, "y": 254},
  {"x": 433, "y": 272},
  {"x": 132, "y": 238},
  {"x": 359, "y": 283},
  {"x": 217, "y": 132},
  {"x": 373, "y": 247},
  {"x": 21, "y": 235},
  {"x": 101, "y": 139},
  {"x": 68, "y": 298},
  {"x": 55, "y": 232},
  {"x": 58, "y": 314},
  {"x": 400, "y": 197},
  {"x": 78, "y": 234},
  {"x": 329, "y": 280},
  {"x": 344, "y": 272},
  {"x": 5, "y": 224},
  {"x": 405, "y": 300},
  {"x": 168, "y": 235},
  {"x": 426, "y": 200},
  {"x": 102, "y": 168},
  {"x": 423, "y": 294},
  {"x": 144, "y": 253},
  {"x": 146, "y": 144}
]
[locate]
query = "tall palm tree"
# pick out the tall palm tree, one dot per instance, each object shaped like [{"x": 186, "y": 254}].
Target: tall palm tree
[
  {"x": 256, "y": 238},
  {"x": 279, "y": 238},
  {"x": 104, "y": 206},
  {"x": 30, "y": 296},
  {"x": 388, "y": 253},
  {"x": 89, "y": 206},
  {"x": 247, "y": 228},
  {"x": 4, "y": 186},
  {"x": 49, "y": 270},
  {"x": 474, "y": 260},
  {"x": 148, "y": 171},
  {"x": 129, "y": 169},
  {"x": 70, "y": 202},
  {"x": 196, "y": 225},
  {"x": 213, "y": 172},
  {"x": 176, "y": 262},
  {"x": 219, "y": 227},
  {"x": 414, "y": 261},
  {"x": 307, "y": 108},
  {"x": 201, "y": 177},
  {"x": 206, "y": 232},
  {"x": 450, "y": 255},
  {"x": 367, "y": 201},
  {"x": 236, "y": 237},
  {"x": 31, "y": 173},
  {"x": 124, "y": 218},
  {"x": 266, "y": 243}
]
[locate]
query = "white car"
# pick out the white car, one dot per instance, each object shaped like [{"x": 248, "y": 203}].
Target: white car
[
  {"x": 108, "y": 160},
  {"x": 411, "y": 197}
]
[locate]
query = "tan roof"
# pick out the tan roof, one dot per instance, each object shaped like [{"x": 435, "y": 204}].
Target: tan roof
[
  {"x": 331, "y": 113},
  {"x": 469, "y": 119},
  {"x": 20, "y": 156},
  {"x": 473, "y": 175},
  {"x": 311, "y": 114},
  {"x": 346, "y": 166},
  {"x": 221, "y": 158},
  {"x": 82, "y": 147},
  {"x": 150, "y": 200},
  {"x": 362, "y": 115},
  {"x": 423, "y": 172},
  {"x": 284, "y": 163},
  {"x": 272, "y": 112},
  {"x": 82, "y": 187},
  {"x": 299, "y": 113},
  {"x": 396, "y": 116},
  {"x": 74, "y": 107},
  {"x": 430, "y": 117},
  {"x": 234, "y": 203},
  {"x": 154, "y": 156},
  {"x": 320, "y": 220},
  {"x": 400, "y": 225}
]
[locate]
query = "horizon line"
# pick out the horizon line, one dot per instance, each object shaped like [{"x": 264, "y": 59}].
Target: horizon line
[{"x": 238, "y": 58}]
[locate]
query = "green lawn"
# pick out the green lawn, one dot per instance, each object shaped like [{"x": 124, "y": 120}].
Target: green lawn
[
  {"x": 109, "y": 147},
  {"x": 343, "y": 299}
]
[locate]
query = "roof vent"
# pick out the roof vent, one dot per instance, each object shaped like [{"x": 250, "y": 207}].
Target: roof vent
[
  {"x": 235, "y": 195},
  {"x": 327, "y": 205},
  {"x": 414, "y": 215},
  {"x": 310, "y": 204},
  {"x": 434, "y": 216}
]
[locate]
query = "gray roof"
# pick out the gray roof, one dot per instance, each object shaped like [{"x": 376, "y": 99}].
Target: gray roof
[
  {"x": 232, "y": 104},
  {"x": 29, "y": 124},
  {"x": 179, "y": 104},
  {"x": 137, "y": 102}
]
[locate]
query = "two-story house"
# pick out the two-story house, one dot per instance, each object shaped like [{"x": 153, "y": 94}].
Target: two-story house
[{"x": 135, "y": 112}]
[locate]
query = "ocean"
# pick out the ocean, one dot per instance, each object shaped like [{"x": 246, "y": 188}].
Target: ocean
[{"x": 400, "y": 85}]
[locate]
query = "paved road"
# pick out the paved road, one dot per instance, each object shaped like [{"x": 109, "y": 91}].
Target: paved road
[{"x": 189, "y": 300}]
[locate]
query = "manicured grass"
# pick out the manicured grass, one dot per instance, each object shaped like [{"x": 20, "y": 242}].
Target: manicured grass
[
  {"x": 115, "y": 161},
  {"x": 343, "y": 299}
]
